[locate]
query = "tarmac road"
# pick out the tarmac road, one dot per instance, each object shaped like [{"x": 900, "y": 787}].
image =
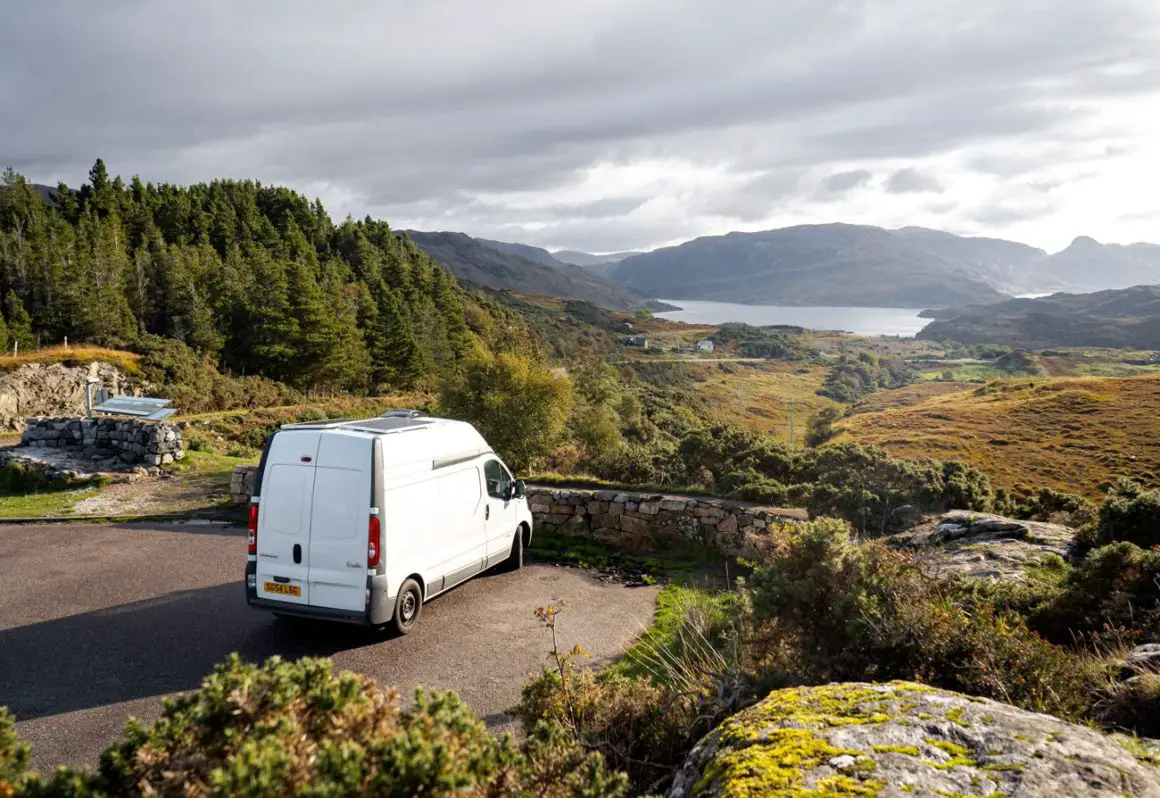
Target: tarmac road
[{"x": 99, "y": 622}]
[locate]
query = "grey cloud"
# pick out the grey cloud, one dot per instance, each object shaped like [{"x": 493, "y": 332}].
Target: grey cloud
[
  {"x": 912, "y": 181},
  {"x": 841, "y": 182},
  {"x": 429, "y": 108}
]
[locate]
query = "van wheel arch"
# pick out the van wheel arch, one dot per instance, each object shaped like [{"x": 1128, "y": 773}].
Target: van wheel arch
[{"x": 525, "y": 533}]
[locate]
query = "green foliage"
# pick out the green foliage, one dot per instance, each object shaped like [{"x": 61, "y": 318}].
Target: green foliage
[
  {"x": 518, "y": 404},
  {"x": 15, "y": 756},
  {"x": 643, "y": 313},
  {"x": 1131, "y": 515},
  {"x": 1134, "y": 706},
  {"x": 256, "y": 277},
  {"x": 769, "y": 342},
  {"x": 852, "y": 378},
  {"x": 845, "y": 612},
  {"x": 1053, "y": 506},
  {"x": 821, "y": 426},
  {"x": 1114, "y": 591},
  {"x": 298, "y": 728}
]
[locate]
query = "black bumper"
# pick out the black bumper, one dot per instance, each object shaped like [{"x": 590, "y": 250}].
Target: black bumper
[{"x": 379, "y": 610}]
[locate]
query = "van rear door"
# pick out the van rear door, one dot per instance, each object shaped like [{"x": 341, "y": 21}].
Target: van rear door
[
  {"x": 339, "y": 519},
  {"x": 284, "y": 512}
]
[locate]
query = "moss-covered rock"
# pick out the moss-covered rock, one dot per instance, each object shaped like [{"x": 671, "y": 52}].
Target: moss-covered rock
[{"x": 906, "y": 739}]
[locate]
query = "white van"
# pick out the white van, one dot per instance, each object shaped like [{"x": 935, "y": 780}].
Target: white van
[{"x": 363, "y": 521}]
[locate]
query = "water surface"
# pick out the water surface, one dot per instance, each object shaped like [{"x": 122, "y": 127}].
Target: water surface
[{"x": 860, "y": 321}]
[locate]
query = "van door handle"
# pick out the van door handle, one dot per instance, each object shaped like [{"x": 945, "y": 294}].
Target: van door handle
[
  {"x": 297, "y": 553},
  {"x": 486, "y": 511}
]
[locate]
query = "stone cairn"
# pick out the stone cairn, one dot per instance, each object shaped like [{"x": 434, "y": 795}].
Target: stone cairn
[{"x": 108, "y": 441}]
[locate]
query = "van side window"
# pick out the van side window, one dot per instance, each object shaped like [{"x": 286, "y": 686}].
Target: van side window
[{"x": 497, "y": 479}]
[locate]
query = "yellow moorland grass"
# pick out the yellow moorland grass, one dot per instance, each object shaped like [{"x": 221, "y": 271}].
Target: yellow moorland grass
[
  {"x": 129, "y": 361},
  {"x": 758, "y": 395},
  {"x": 1069, "y": 433}
]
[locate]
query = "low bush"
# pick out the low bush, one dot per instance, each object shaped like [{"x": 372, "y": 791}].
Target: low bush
[
  {"x": 1057, "y": 507},
  {"x": 1134, "y": 706},
  {"x": 1115, "y": 591},
  {"x": 1130, "y": 515},
  {"x": 14, "y": 756},
  {"x": 298, "y": 728},
  {"x": 836, "y": 611}
]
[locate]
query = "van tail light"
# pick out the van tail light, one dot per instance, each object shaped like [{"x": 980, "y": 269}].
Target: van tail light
[
  {"x": 253, "y": 539},
  {"x": 374, "y": 542}
]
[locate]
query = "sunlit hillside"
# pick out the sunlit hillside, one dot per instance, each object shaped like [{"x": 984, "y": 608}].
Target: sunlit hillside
[{"x": 1072, "y": 434}]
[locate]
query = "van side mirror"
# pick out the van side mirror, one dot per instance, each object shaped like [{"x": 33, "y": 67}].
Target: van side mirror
[{"x": 519, "y": 489}]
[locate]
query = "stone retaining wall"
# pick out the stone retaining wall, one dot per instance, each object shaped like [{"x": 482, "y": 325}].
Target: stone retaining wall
[
  {"x": 653, "y": 521},
  {"x": 640, "y": 522},
  {"x": 108, "y": 441}
]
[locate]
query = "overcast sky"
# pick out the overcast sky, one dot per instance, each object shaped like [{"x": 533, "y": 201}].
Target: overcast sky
[{"x": 605, "y": 125}]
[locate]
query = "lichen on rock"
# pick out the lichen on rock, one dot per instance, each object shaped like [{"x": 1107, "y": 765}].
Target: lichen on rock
[{"x": 903, "y": 738}]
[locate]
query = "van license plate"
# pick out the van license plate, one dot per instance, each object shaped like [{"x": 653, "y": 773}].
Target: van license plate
[{"x": 285, "y": 590}]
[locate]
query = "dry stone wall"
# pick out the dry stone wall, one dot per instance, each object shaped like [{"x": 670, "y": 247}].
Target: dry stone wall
[
  {"x": 652, "y": 521},
  {"x": 108, "y": 441},
  {"x": 634, "y": 521}
]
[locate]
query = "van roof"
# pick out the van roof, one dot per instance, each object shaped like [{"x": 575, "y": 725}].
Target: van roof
[{"x": 378, "y": 425}]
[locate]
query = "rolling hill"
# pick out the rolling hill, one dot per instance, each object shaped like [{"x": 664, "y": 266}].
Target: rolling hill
[
  {"x": 831, "y": 264},
  {"x": 1115, "y": 318},
  {"x": 487, "y": 266},
  {"x": 1069, "y": 433},
  {"x": 1088, "y": 265}
]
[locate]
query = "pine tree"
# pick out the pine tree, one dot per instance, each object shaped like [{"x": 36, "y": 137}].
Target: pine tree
[{"x": 19, "y": 323}]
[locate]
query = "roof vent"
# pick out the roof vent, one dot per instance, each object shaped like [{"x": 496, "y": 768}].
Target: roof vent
[{"x": 403, "y": 414}]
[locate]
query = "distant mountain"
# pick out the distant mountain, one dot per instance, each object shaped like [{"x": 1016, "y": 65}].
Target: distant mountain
[
  {"x": 538, "y": 254},
  {"x": 829, "y": 264},
  {"x": 1088, "y": 265},
  {"x": 1007, "y": 266},
  {"x": 488, "y": 266},
  {"x": 601, "y": 265},
  {"x": 1115, "y": 318}
]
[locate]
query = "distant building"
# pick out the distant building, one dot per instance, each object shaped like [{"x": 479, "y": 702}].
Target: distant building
[
  {"x": 628, "y": 325},
  {"x": 636, "y": 340},
  {"x": 705, "y": 346}
]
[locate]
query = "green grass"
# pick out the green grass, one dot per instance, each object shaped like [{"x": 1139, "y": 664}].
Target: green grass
[
  {"x": 668, "y": 637},
  {"x": 46, "y": 503},
  {"x": 585, "y": 553},
  {"x": 209, "y": 462}
]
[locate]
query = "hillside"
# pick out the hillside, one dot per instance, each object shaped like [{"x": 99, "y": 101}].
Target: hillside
[
  {"x": 1115, "y": 318},
  {"x": 1072, "y": 434},
  {"x": 600, "y": 265},
  {"x": 485, "y": 265},
  {"x": 537, "y": 254},
  {"x": 1088, "y": 265},
  {"x": 832, "y": 264},
  {"x": 1005, "y": 265}
]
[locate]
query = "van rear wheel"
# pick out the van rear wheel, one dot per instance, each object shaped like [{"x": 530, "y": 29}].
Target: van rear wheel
[
  {"x": 408, "y": 607},
  {"x": 515, "y": 560}
]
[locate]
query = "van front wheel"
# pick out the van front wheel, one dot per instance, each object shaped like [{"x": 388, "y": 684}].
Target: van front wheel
[
  {"x": 515, "y": 560},
  {"x": 408, "y": 606}
]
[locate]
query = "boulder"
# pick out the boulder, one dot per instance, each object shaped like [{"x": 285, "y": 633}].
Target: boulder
[
  {"x": 979, "y": 545},
  {"x": 902, "y": 739}
]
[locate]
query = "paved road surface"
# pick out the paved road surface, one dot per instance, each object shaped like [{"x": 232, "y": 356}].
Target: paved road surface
[{"x": 99, "y": 622}]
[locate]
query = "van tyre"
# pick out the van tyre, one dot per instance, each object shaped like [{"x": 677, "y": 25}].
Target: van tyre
[
  {"x": 515, "y": 560},
  {"x": 408, "y": 607}
]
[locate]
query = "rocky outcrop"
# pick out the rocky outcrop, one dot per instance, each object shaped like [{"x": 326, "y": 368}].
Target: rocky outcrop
[
  {"x": 902, "y": 739},
  {"x": 108, "y": 441},
  {"x": 54, "y": 389},
  {"x": 984, "y": 546},
  {"x": 653, "y": 521}
]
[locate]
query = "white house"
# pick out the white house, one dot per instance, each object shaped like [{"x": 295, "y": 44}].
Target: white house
[{"x": 705, "y": 346}]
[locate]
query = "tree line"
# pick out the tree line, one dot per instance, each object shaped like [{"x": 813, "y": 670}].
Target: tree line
[{"x": 256, "y": 277}]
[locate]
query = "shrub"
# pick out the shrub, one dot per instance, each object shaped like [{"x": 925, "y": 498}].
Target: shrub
[
  {"x": 1116, "y": 587},
  {"x": 834, "y": 611},
  {"x": 1057, "y": 507},
  {"x": 1135, "y": 706},
  {"x": 1130, "y": 517},
  {"x": 14, "y": 756},
  {"x": 821, "y": 426},
  {"x": 298, "y": 728}
]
